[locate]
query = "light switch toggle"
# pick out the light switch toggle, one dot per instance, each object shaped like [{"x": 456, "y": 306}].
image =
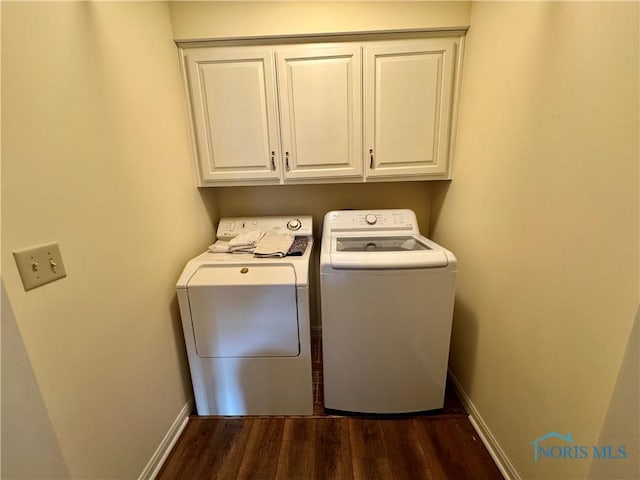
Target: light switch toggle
[{"x": 33, "y": 262}]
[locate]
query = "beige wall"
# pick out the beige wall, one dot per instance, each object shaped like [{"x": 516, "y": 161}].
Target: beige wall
[
  {"x": 623, "y": 414},
  {"x": 30, "y": 448},
  {"x": 543, "y": 217},
  {"x": 95, "y": 156},
  {"x": 193, "y": 20}
]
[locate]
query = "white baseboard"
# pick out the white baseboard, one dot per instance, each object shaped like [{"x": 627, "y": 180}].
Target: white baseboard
[
  {"x": 169, "y": 440},
  {"x": 502, "y": 461}
]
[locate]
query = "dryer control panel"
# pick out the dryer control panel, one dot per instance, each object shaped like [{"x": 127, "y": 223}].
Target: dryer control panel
[{"x": 298, "y": 225}]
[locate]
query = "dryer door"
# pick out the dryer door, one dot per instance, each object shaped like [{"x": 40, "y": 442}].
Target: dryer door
[{"x": 244, "y": 311}]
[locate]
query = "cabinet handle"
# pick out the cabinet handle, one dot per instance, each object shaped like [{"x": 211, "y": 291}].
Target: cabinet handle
[
  {"x": 286, "y": 161},
  {"x": 371, "y": 158},
  {"x": 273, "y": 160}
]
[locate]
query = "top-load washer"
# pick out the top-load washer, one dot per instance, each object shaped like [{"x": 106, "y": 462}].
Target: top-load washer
[
  {"x": 246, "y": 323},
  {"x": 387, "y": 296}
]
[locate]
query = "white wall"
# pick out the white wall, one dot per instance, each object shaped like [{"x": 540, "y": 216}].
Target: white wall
[
  {"x": 96, "y": 156},
  {"x": 543, "y": 216}
]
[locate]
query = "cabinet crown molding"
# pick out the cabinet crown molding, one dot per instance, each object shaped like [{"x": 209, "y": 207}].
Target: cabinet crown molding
[{"x": 295, "y": 38}]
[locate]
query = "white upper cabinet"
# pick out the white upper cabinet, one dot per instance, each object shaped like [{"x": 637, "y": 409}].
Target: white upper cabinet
[
  {"x": 233, "y": 102},
  {"x": 370, "y": 107},
  {"x": 320, "y": 110},
  {"x": 408, "y": 104}
]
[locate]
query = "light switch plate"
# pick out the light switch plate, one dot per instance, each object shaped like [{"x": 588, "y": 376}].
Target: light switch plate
[{"x": 39, "y": 265}]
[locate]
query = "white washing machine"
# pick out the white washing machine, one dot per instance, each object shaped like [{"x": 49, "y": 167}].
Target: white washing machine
[
  {"x": 387, "y": 296},
  {"x": 246, "y": 324}
]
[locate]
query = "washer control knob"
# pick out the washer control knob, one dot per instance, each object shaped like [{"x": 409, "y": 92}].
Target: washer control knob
[
  {"x": 294, "y": 224},
  {"x": 370, "y": 219}
]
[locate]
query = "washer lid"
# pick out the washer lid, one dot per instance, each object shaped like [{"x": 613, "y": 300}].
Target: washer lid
[
  {"x": 403, "y": 243},
  {"x": 385, "y": 252}
]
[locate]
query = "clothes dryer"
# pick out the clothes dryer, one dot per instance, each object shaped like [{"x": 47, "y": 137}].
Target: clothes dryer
[{"x": 246, "y": 324}]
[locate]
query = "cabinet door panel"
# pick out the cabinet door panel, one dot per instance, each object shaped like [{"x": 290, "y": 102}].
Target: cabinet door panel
[
  {"x": 408, "y": 102},
  {"x": 233, "y": 102},
  {"x": 320, "y": 98}
]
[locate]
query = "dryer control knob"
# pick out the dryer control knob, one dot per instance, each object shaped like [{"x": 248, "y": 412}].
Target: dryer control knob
[
  {"x": 294, "y": 224},
  {"x": 370, "y": 219}
]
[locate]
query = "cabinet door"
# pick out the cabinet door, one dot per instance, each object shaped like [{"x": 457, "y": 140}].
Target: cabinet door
[
  {"x": 232, "y": 93},
  {"x": 320, "y": 91},
  {"x": 408, "y": 97}
]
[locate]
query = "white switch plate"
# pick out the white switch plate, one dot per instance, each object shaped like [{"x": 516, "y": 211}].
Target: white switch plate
[{"x": 39, "y": 265}]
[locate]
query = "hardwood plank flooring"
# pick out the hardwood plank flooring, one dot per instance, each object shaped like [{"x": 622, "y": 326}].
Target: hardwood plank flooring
[
  {"x": 263, "y": 449},
  {"x": 441, "y": 446},
  {"x": 297, "y": 452},
  {"x": 333, "y": 450},
  {"x": 429, "y": 447}
]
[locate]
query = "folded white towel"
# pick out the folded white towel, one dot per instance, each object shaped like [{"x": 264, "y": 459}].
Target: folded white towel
[
  {"x": 245, "y": 242},
  {"x": 274, "y": 244},
  {"x": 242, "y": 249},
  {"x": 250, "y": 238},
  {"x": 220, "y": 246}
]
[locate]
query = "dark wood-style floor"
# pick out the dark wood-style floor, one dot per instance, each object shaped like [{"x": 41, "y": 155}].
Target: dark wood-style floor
[{"x": 438, "y": 446}]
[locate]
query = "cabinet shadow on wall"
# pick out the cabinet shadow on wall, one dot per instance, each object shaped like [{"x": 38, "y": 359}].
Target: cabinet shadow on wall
[{"x": 318, "y": 199}]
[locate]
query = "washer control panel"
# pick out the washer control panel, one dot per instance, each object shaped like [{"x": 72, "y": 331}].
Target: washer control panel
[
  {"x": 390, "y": 219},
  {"x": 298, "y": 225}
]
